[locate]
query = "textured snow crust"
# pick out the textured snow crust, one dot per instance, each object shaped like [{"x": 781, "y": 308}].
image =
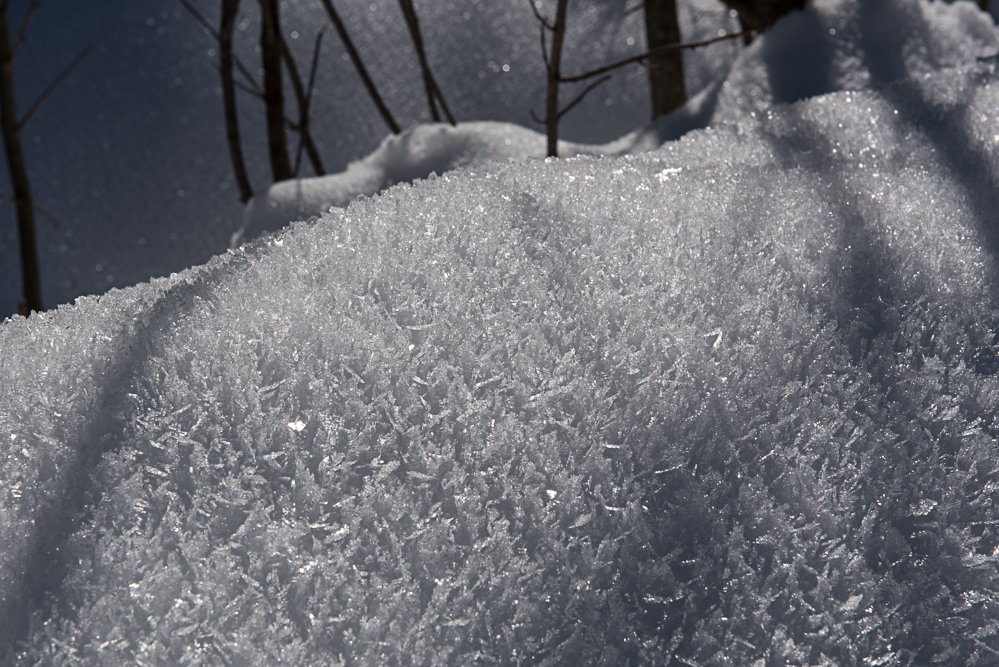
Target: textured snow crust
[{"x": 732, "y": 401}]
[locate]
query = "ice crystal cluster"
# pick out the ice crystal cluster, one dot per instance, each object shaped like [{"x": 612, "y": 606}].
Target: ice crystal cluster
[{"x": 731, "y": 402}]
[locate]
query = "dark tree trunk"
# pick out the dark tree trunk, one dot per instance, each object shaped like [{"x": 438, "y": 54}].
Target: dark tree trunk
[
  {"x": 662, "y": 27},
  {"x": 229, "y": 10},
  {"x": 270, "y": 47},
  {"x": 348, "y": 44},
  {"x": 10, "y": 125},
  {"x": 552, "y": 115}
]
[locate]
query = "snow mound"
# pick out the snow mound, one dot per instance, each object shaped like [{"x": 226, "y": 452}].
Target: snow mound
[
  {"x": 733, "y": 401},
  {"x": 413, "y": 154}
]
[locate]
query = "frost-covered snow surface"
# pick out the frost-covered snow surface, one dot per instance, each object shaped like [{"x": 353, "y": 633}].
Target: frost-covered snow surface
[{"x": 732, "y": 401}]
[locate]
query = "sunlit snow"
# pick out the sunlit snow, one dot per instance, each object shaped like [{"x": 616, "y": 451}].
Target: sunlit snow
[{"x": 730, "y": 401}]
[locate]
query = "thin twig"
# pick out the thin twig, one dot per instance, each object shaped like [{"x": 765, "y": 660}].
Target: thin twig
[
  {"x": 229, "y": 13},
  {"x": 23, "y": 31},
  {"x": 653, "y": 52},
  {"x": 257, "y": 90},
  {"x": 433, "y": 89},
  {"x": 579, "y": 98},
  {"x": 348, "y": 44},
  {"x": 307, "y": 118},
  {"x": 38, "y": 209},
  {"x": 544, "y": 48},
  {"x": 534, "y": 117},
  {"x": 538, "y": 15},
  {"x": 52, "y": 86},
  {"x": 298, "y": 155},
  {"x": 315, "y": 63},
  {"x": 242, "y": 86},
  {"x": 444, "y": 106},
  {"x": 201, "y": 19},
  {"x": 251, "y": 84},
  {"x": 303, "y": 100}
]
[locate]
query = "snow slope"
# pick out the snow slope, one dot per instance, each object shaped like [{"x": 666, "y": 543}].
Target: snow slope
[{"x": 731, "y": 401}]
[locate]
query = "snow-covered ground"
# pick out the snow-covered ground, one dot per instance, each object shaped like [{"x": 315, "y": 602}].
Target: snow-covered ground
[{"x": 732, "y": 400}]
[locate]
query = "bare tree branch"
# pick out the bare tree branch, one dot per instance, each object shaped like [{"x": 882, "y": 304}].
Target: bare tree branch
[
  {"x": 52, "y": 86},
  {"x": 259, "y": 94},
  {"x": 229, "y": 10},
  {"x": 18, "y": 168},
  {"x": 348, "y": 44},
  {"x": 314, "y": 67},
  {"x": 544, "y": 48},
  {"x": 409, "y": 14},
  {"x": 201, "y": 19},
  {"x": 302, "y": 97},
  {"x": 23, "y": 30},
  {"x": 652, "y": 52},
  {"x": 538, "y": 15},
  {"x": 38, "y": 209},
  {"x": 257, "y": 90},
  {"x": 586, "y": 91},
  {"x": 433, "y": 90}
]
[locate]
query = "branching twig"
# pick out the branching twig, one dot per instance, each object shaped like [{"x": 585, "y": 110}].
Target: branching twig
[
  {"x": 23, "y": 30},
  {"x": 586, "y": 91},
  {"x": 255, "y": 88},
  {"x": 303, "y": 99},
  {"x": 544, "y": 46},
  {"x": 255, "y": 92},
  {"x": 38, "y": 209},
  {"x": 647, "y": 54},
  {"x": 314, "y": 67},
  {"x": 538, "y": 15},
  {"x": 433, "y": 90},
  {"x": 52, "y": 86}
]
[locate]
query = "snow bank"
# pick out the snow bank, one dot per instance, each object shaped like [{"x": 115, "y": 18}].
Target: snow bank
[
  {"x": 415, "y": 153},
  {"x": 732, "y": 401}
]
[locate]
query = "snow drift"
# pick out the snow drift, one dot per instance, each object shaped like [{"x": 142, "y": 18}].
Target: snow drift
[{"x": 730, "y": 402}]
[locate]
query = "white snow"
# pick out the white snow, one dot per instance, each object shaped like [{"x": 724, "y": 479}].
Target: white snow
[
  {"x": 423, "y": 150},
  {"x": 539, "y": 408}
]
